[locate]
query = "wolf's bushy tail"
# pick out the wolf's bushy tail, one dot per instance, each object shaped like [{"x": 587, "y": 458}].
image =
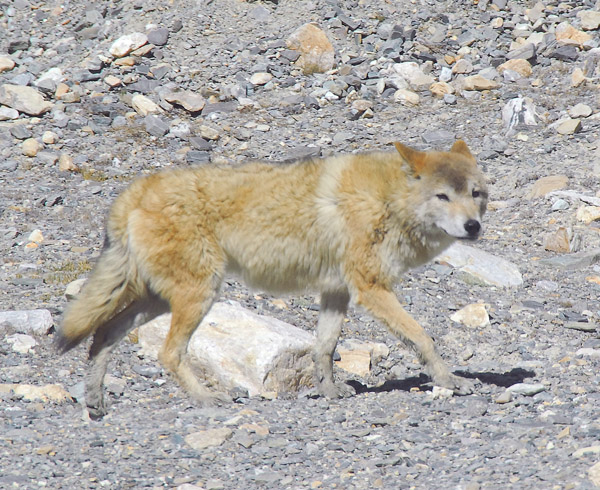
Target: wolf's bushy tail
[{"x": 110, "y": 288}]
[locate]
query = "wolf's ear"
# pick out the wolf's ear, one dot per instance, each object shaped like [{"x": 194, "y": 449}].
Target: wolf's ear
[
  {"x": 414, "y": 158},
  {"x": 461, "y": 147}
]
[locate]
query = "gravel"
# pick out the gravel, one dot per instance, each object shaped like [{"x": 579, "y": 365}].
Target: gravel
[{"x": 396, "y": 432}]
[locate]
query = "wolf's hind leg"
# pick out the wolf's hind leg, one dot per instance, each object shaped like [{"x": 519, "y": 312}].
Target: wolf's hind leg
[
  {"x": 105, "y": 339},
  {"x": 329, "y": 326}
]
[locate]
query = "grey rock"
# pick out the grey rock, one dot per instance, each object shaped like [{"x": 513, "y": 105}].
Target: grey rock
[
  {"x": 189, "y": 100},
  {"x": 85, "y": 76},
  {"x": 481, "y": 266},
  {"x": 564, "y": 53},
  {"x": 260, "y": 13},
  {"x": 290, "y": 55},
  {"x": 582, "y": 326},
  {"x": 161, "y": 71},
  {"x": 487, "y": 155},
  {"x": 200, "y": 143},
  {"x": 580, "y": 110},
  {"x": 177, "y": 25},
  {"x": 37, "y": 322},
  {"x": 450, "y": 99},
  {"x": 18, "y": 45},
  {"x": 343, "y": 136},
  {"x": 526, "y": 52},
  {"x": 466, "y": 38},
  {"x": 527, "y": 389},
  {"x": 180, "y": 130},
  {"x": 94, "y": 65},
  {"x": 24, "y": 99},
  {"x": 119, "y": 122},
  {"x": 6, "y": 114},
  {"x": 349, "y": 22},
  {"x": 438, "y": 137},
  {"x": 155, "y": 125},
  {"x": 47, "y": 157},
  {"x": 573, "y": 262},
  {"x": 159, "y": 36},
  {"x": 302, "y": 153},
  {"x": 446, "y": 74},
  {"x": 89, "y": 33},
  {"x": 560, "y": 205},
  {"x": 194, "y": 157},
  {"x": 8, "y": 165},
  {"x": 511, "y": 76},
  {"x": 144, "y": 86},
  {"x": 22, "y": 79},
  {"x": 21, "y": 132},
  {"x": 219, "y": 107}
]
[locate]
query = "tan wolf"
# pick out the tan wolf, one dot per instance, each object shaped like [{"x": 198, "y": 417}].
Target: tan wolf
[{"x": 345, "y": 225}]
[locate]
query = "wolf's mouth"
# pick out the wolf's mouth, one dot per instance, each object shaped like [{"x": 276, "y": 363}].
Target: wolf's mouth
[{"x": 468, "y": 238}]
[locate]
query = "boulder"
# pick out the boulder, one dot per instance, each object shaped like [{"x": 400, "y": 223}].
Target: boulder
[
  {"x": 234, "y": 347},
  {"x": 24, "y": 99},
  {"x": 127, "y": 43},
  {"x": 37, "y": 322},
  {"x": 473, "y": 316},
  {"x": 481, "y": 267},
  {"x": 316, "y": 52},
  {"x": 359, "y": 357}
]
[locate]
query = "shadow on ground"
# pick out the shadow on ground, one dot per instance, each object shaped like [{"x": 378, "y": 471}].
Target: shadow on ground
[{"x": 423, "y": 382}]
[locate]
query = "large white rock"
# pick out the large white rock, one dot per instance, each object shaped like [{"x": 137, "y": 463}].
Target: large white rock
[
  {"x": 235, "y": 347},
  {"x": 413, "y": 75},
  {"x": 24, "y": 99},
  {"x": 21, "y": 343},
  {"x": 28, "y": 321},
  {"x": 481, "y": 266},
  {"x": 128, "y": 43}
]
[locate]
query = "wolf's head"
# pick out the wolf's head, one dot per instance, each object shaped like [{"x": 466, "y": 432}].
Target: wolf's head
[{"x": 448, "y": 191}]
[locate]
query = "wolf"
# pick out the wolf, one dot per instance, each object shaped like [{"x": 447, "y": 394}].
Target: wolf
[{"x": 346, "y": 226}]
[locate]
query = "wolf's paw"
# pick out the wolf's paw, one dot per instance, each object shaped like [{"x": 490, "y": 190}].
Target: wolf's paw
[
  {"x": 335, "y": 390},
  {"x": 94, "y": 402},
  {"x": 458, "y": 384},
  {"x": 96, "y": 412}
]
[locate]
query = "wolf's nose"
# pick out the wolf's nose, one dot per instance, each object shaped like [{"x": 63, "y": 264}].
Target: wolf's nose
[{"x": 472, "y": 227}]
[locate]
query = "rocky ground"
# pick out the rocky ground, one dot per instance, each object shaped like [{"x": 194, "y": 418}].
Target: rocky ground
[{"x": 216, "y": 81}]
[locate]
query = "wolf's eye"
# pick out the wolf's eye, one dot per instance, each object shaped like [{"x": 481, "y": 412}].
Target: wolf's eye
[
  {"x": 442, "y": 197},
  {"x": 476, "y": 194}
]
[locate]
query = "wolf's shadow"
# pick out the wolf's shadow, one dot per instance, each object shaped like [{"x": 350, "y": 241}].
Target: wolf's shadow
[{"x": 423, "y": 382}]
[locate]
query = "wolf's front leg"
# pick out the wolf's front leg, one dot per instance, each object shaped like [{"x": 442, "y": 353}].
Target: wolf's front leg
[
  {"x": 384, "y": 306},
  {"x": 331, "y": 317}
]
